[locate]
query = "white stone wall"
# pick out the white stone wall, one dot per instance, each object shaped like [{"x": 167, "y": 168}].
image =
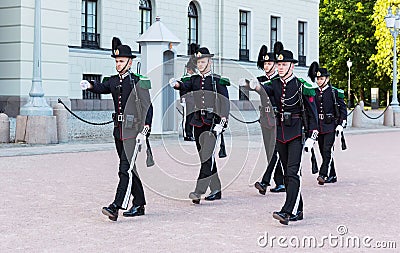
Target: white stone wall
[
  {"x": 16, "y": 47},
  {"x": 64, "y": 61}
]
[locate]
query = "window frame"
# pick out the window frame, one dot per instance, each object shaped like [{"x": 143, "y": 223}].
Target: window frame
[
  {"x": 244, "y": 52},
  {"x": 92, "y": 39},
  {"x": 301, "y": 42},
  {"x": 194, "y": 15}
]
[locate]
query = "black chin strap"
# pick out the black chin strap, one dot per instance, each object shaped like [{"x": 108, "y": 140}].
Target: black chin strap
[
  {"x": 202, "y": 71},
  {"x": 324, "y": 84},
  {"x": 287, "y": 71},
  {"x": 119, "y": 72},
  {"x": 270, "y": 70}
]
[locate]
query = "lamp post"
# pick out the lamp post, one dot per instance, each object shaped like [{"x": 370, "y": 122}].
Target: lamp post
[
  {"x": 349, "y": 64},
  {"x": 37, "y": 104},
  {"x": 393, "y": 24}
]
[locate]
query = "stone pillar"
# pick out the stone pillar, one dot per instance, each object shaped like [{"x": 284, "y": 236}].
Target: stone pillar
[
  {"x": 388, "y": 117},
  {"x": 357, "y": 122},
  {"x": 396, "y": 118},
  {"x": 62, "y": 122},
  {"x": 36, "y": 129},
  {"x": 4, "y": 128}
]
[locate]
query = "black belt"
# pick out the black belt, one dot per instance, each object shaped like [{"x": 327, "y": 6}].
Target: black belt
[
  {"x": 322, "y": 116},
  {"x": 293, "y": 115},
  {"x": 118, "y": 117},
  {"x": 204, "y": 112}
]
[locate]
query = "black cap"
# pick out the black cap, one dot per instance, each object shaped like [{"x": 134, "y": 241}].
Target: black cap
[
  {"x": 322, "y": 72},
  {"x": 264, "y": 56},
  {"x": 202, "y": 53},
  {"x": 285, "y": 56},
  {"x": 119, "y": 50}
]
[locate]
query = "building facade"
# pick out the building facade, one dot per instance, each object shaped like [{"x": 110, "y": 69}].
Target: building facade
[{"x": 76, "y": 40}]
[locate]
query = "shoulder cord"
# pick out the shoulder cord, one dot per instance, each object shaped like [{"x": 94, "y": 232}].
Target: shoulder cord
[
  {"x": 335, "y": 105},
  {"x": 303, "y": 111}
]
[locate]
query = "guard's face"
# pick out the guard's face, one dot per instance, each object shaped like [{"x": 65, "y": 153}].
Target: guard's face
[
  {"x": 204, "y": 65},
  {"x": 322, "y": 80},
  {"x": 285, "y": 69},
  {"x": 121, "y": 64},
  {"x": 269, "y": 66}
]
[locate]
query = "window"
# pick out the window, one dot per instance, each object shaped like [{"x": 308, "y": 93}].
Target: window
[
  {"x": 274, "y": 31},
  {"x": 193, "y": 27},
  {"x": 301, "y": 44},
  {"x": 243, "y": 49},
  {"x": 88, "y": 94},
  {"x": 90, "y": 38},
  {"x": 145, "y": 15}
]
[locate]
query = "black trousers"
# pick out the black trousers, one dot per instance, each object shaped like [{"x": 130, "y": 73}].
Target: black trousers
[
  {"x": 188, "y": 128},
  {"x": 275, "y": 165},
  {"x": 325, "y": 144},
  {"x": 290, "y": 154},
  {"x": 208, "y": 176},
  {"x": 129, "y": 181}
]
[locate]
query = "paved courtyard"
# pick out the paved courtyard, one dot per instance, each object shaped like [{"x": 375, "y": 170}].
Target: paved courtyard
[{"x": 51, "y": 199}]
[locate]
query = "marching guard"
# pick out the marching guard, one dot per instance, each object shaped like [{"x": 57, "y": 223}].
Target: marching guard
[
  {"x": 266, "y": 62},
  {"x": 210, "y": 117},
  {"x": 332, "y": 118},
  {"x": 132, "y": 122},
  {"x": 296, "y": 111}
]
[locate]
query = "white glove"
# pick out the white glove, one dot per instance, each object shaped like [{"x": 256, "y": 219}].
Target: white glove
[
  {"x": 140, "y": 138},
  {"x": 242, "y": 82},
  {"x": 84, "y": 84},
  {"x": 183, "y": 102},
  {"x": 339, "y": 130},
  {"x": 218, "y": 128},
  {"x": 308, "y": 145},
  {"x": 253, "y": 84},
  {"x": 173, "y": 82}
]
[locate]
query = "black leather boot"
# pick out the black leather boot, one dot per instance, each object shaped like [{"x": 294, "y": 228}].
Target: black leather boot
[
  {"x": 213, "y": 196},
  {"x": 261, "y": 187},
  {"x": 282, "y": 217},
  {"x": 195, "y": 197},
  {"x": 278, "y": 188},
  {"x": 134, "y": 211},
  {"x": 111, "y": 211}
]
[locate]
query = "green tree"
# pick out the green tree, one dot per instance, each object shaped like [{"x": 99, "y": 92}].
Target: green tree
[
  {"x": 383, "y": 58},
  {"x": 346, "y": 31}
]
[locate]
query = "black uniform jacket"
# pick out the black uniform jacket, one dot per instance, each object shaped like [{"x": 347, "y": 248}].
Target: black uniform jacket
[
  {"x": 327, "y": 118},
  {"x": 120, "y": 97},
  {"x": 209, "y": 107},
  {"x": 268, "y": 104},
  {"x": 287, "y": 97}
]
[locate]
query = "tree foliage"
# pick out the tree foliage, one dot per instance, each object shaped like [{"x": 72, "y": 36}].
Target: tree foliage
[
  {"x": 383, "y": 58},
  {"x": 346, "y": 31}
]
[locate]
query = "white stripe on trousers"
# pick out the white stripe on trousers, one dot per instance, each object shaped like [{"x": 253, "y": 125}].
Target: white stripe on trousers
[
  {"x": 276, "y": 164},
  {"x": 128, "y": 191},
  {"x": 331, "y": 160},
  {"x": 296, "y": 205}
]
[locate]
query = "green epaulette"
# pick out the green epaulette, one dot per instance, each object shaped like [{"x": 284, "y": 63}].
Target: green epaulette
[
  {"x": 144, "y": 81},
  {"x": 309, "y": 89},
  {"x": 340, "y": 92},
  {"x": 105, "y": 79},
  {"x": 185, "y": 78},
  {"x": 266, "y": 83},
  {"x": 224, "y": 81}
]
